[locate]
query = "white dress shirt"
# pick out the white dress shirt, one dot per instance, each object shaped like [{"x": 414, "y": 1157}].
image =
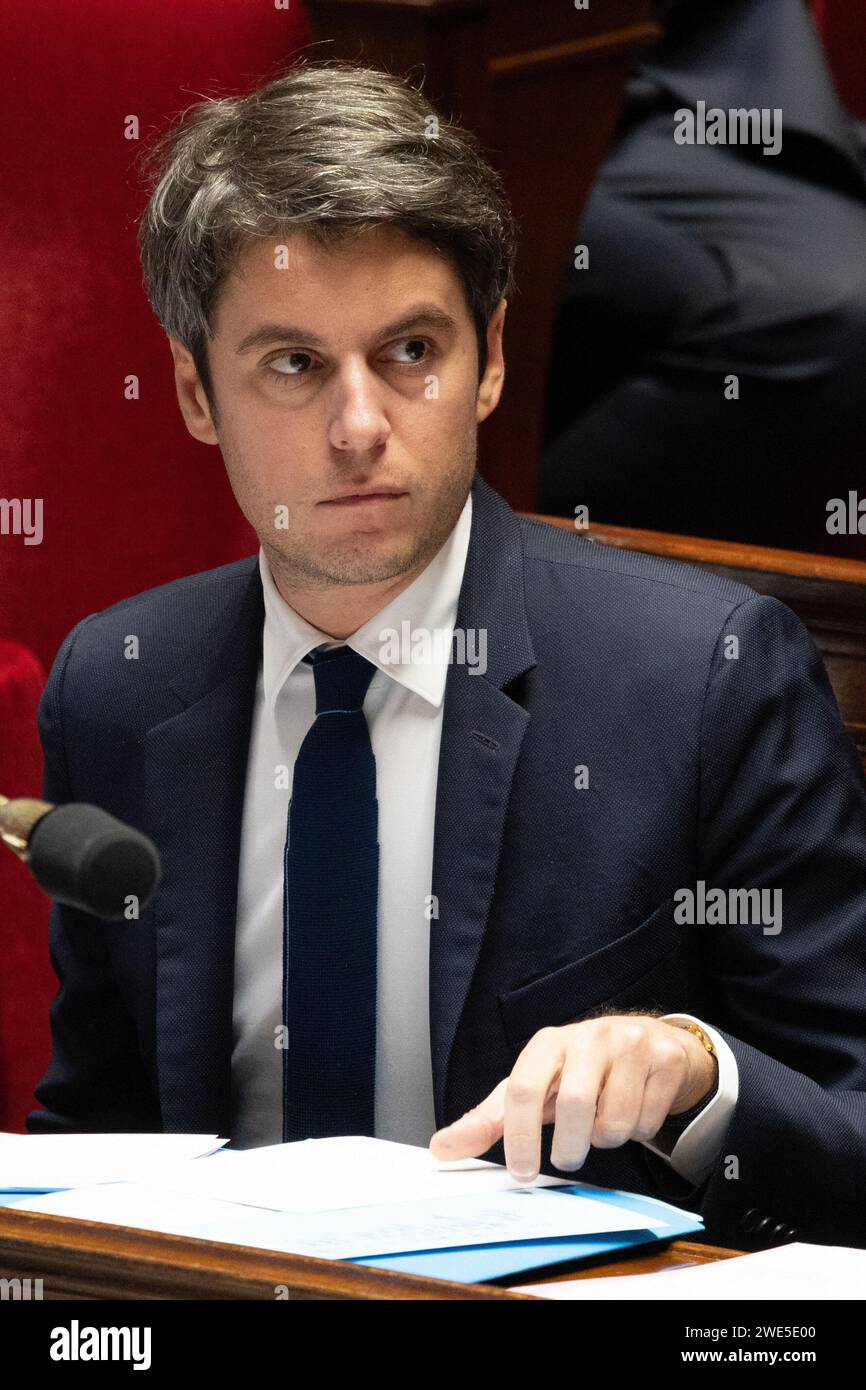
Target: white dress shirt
[{"x": 404, "y": 708}]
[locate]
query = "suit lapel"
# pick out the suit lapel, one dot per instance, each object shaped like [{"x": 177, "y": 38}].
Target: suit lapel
[
  {"x": 482, "y": 732},
  {"x": 195, "y": 769}
]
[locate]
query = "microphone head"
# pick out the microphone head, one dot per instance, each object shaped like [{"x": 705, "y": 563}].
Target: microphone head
[{"x": 82, "y": 856}]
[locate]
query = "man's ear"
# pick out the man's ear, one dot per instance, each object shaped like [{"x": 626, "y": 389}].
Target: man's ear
[
  {"x": 490, "y": 386},
  {"x": 191, "y": 395}
]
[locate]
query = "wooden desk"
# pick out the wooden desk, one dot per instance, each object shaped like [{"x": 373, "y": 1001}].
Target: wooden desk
[{"x": 89, "y": 1260}]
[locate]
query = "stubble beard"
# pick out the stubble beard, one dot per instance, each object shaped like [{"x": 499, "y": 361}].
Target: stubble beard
[{"x": 342, "y": 563}]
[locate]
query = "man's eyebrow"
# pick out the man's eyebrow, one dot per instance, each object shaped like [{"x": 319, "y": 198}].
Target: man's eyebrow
[{"x": 420, "y": 315}]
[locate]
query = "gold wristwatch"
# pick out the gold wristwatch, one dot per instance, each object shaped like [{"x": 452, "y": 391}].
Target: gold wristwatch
[
  {"x": 675, "y": 1124},
  {"x": 698, "y": 1032}
]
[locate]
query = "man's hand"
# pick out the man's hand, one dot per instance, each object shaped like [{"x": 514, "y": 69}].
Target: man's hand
[{"x": 603, "y": 1081}]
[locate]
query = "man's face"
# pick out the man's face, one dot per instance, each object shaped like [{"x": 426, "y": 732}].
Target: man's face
[{"x": 352, "y": 369}]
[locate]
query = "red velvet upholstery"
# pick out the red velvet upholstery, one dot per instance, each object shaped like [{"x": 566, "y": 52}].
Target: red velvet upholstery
[
  {"x": 129, "y": 498},
  {"x": 842, "y": 25},
  {"x": 27, "y": 982}
]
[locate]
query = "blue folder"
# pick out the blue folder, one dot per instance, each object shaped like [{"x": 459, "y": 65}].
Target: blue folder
[{"x": 472, "y": 1264}]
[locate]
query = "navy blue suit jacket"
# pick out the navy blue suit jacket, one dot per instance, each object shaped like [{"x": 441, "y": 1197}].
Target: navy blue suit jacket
[{"x": 554, "y": 903}]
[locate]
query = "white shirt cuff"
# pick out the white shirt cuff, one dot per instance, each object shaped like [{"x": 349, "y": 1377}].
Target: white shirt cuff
[{"x": 698, "y": 1146}]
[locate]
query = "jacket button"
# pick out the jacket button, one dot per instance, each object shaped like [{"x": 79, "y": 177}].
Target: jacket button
[
  {"x": 750, "y": 1220},
  {"x": 767, "y": 1228}
]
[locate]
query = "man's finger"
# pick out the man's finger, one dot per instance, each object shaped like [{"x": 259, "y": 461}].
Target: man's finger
[
  {"x": 583, "y": 1071},
  {"x": 534, "y": 1074},
  {"x": 621, "y": 1099},
  {"x": 475, "y": 1132},
  {"x": 658, "y": 1097}
]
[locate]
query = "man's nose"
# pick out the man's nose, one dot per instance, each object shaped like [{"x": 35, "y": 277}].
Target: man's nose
[{"x": 359, "y": 422}]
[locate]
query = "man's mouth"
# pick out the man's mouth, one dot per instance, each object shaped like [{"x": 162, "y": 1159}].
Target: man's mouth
[{"x": 362, "y": 499}]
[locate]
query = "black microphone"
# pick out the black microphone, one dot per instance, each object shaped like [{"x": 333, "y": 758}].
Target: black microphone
[{"x": 82, "y": 856}]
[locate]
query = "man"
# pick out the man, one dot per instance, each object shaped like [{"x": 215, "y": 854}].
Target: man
[{"x": 412, "y": 885}]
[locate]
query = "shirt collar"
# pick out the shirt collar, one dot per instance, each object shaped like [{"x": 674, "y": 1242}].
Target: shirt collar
[{"x": 393, "y": 638}]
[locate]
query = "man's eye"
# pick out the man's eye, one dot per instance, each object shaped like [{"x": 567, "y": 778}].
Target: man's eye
[
  {"x": 294, "y": 368},
  {"x": 417, "y": 346}
]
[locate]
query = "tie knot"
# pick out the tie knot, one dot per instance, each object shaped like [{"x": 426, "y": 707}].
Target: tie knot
[{"x": 342, "y": 677}]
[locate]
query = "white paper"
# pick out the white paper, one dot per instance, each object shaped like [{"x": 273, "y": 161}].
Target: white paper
[
  {"x": 148, "y": 1209},
  {"x": 434, "y": 1224},
  {"x": 42, "y": 1162},
  {"x": 797, "y": 1270},
  {"x": 329, "y": 1174}
]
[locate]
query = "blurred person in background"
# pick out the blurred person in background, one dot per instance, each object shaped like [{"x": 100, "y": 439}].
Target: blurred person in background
[{"x": 708, "y": 365}]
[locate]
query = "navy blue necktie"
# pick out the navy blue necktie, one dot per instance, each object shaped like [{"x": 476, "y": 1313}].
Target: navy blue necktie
[{"x": 330, "y": 901}]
